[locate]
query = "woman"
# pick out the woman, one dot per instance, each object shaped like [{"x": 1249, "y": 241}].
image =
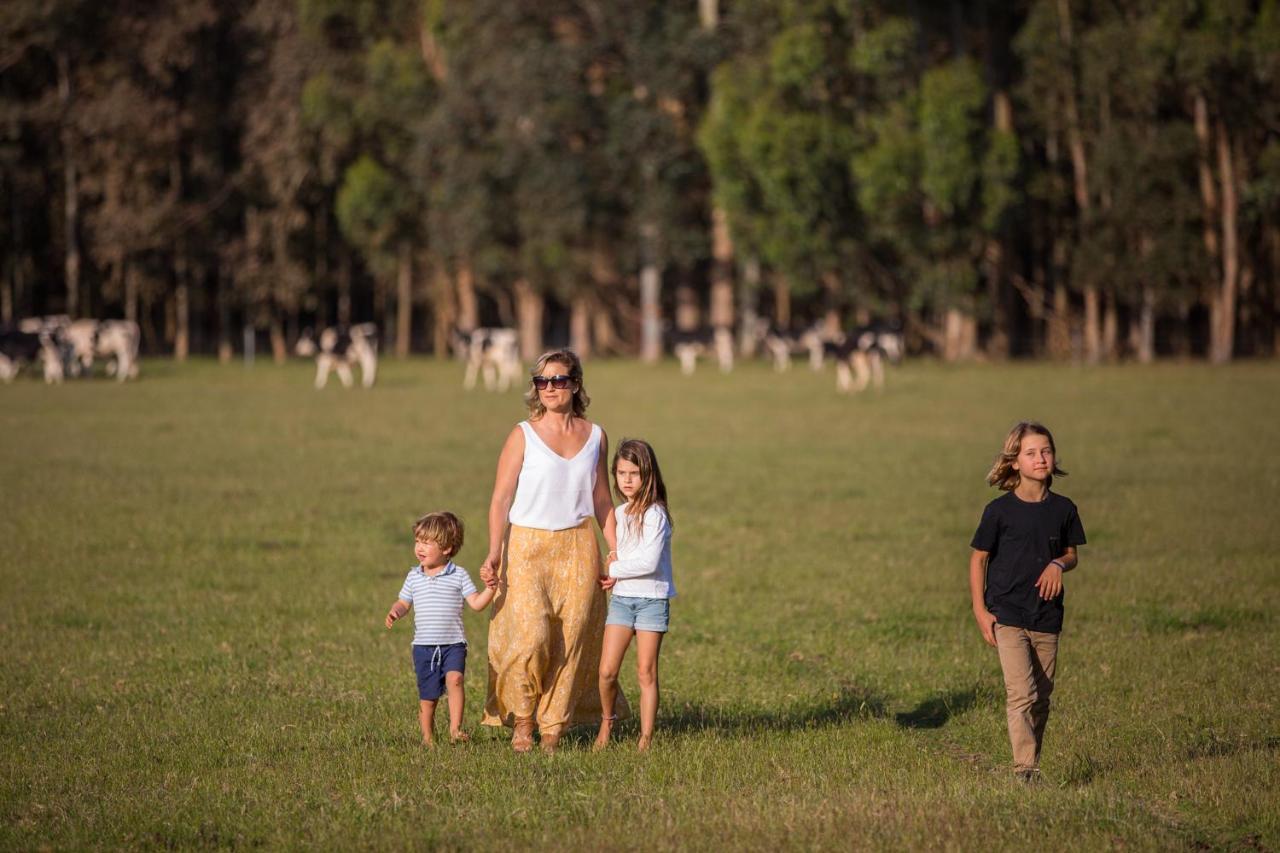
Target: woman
[{"x": 548, "y": 618}]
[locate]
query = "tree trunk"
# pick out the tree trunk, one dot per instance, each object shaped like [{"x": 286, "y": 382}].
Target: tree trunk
[
  {"x": 468, "y": 306},
  {"x": 721, "y": 270},
  {"x": 959, "y": 335},
  {"x": 1222, "y": 313},
  {"x": 709, "y": 14},
  {"x": 749, "y": 298},
  {"x": 223, "y": 299},
  {"x": 530, "y": 305},
  {"x": 831, "y": 297},
  {"x": 580, "y": 326},
  {"x": 131, "y": 292},
  {"x": 71, "y": 200},
  {"x": 279, "y": 349},
  {"x": 6, "y": 301},
  {"x": 650, "y": 296},
  {"x": 603, "y": 332},
  {"x": 1110, "y": 327},
  {"x": 404, "y": 299},
  {"x": 1146, "y": 337},
  {"x": 181, "y": 306},
  {"x": 782, "y": 301},
  {"x": 344, "y": 287},
  {"x": 445, "y": 316}
]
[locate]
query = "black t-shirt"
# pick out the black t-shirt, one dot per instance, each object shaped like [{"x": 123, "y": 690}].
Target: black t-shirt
[{"x": 1022, "y": 538}]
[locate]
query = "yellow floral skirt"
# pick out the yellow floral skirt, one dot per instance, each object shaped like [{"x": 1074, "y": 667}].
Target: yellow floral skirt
[{"x": 546, "y": 629}]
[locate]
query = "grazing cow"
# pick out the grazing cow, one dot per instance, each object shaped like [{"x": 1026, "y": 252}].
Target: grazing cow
[
  {"x": 339, "y": 347},
  {"x": 782, "y": 344},
  {"x": 493, "y": 354},
  {"x": 19, "y": 348},
  {"x": 863, "y": 351},
  {"x": 85, "y": 340},
  {"x": 688, "y": 346}
]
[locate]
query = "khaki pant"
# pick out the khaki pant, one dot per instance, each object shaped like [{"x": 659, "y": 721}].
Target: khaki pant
[{"x": 1028, "y": 659}]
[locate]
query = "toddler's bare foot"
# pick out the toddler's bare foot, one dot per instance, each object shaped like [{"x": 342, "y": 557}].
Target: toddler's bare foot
[
  {"x": 642, "y": 745},
  {"x": 602, "y": 737},
  {"x": 429, "y": 742},
  {"x": 459, "y": 737}
]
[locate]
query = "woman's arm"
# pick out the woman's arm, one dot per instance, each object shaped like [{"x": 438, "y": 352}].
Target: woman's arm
[
  {"x": 510, "y": 460},
  {"x": 601, "y": 498}
]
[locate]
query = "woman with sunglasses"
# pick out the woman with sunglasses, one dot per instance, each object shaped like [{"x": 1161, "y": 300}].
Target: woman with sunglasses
[{"x": 547, "y": 623}]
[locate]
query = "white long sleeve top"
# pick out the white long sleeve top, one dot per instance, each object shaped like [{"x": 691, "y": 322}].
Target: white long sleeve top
[{"x": 643, "y": 567}]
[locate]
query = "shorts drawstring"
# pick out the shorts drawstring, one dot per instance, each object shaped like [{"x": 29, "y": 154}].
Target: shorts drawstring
[{"x": 437, "y": 659}]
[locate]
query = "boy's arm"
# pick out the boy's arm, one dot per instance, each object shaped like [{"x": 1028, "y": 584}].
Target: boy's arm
[
  {"x": 400, "y": 608},
  {"x": 977, "y": 592},
  {"x": 480, "y": 600},
  {"x": 1050, "y": 581}
]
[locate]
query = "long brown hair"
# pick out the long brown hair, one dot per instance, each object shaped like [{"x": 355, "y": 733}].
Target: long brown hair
[
  {"x": 652, "y": 490},
  {"x": 1002, "y": 475},
  {"x": 569, "y": 359}
]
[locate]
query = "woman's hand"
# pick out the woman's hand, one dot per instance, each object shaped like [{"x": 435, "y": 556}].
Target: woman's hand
[{"x": 489, "y": 569}]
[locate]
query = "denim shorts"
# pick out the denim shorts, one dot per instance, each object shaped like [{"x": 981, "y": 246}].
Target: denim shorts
[
  {"x": 640, "y": 614},
  {"x": 430, "y": 663}
]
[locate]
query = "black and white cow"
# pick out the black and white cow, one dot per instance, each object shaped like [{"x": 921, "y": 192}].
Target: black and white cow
[
  {"x": 781, "y": 344},
  {"x": 81, "y": 341},
  {"x": 337, "y": 348},
  {"x": 689, "y": 346},
  {"x": 490, "y": 353},
  {"x": 860, "y": 356},
  {"x": 19, "y": 348}
]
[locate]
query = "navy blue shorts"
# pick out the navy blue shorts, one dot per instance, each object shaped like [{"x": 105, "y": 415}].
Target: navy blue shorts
[{"x": 432, "y": 662}]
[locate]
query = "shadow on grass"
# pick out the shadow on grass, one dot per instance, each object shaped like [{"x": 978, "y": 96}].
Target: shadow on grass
[
  {"x": 849, "y": 705},
  {"x": 934, "y": 712}
]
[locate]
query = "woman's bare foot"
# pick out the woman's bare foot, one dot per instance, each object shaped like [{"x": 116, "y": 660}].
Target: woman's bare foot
[
  {"x": 550, "y": 743},
  {"x": 643, "y": 744},
  {"x": 522, "y": 737},
  {"x": 602, "y": 737}
]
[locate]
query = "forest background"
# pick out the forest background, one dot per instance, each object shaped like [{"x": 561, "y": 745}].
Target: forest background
[{"x": 1072, "y": 179}]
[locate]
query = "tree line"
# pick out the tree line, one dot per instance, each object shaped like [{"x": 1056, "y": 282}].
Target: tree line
[{"x": 1061, "y": 178}]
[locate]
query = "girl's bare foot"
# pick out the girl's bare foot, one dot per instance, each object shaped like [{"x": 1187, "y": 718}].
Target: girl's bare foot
[
  {"x": 602, "y": 737},
  {"x": 642, "y": 745}
]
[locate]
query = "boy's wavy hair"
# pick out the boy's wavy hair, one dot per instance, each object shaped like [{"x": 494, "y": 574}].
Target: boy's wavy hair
[
  {"x": 1002, "y": 475},
  {"x": 569, "y": 359},
  {"x": 652, "y": 490},
  {"x": 443, "y": 528}
]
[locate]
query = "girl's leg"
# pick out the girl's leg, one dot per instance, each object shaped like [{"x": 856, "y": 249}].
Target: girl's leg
[
  {"x": 453, "y": 684},
  {"x": 616, "y": 640},
  {"x": 648, "y": 643},
  {"x": 427, "y": 719}
]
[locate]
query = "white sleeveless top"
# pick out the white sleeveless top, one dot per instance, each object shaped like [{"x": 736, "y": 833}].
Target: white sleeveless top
[{"x": 554, "y": 493}]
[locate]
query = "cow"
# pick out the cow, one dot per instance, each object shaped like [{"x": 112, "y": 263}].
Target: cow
[
  {"x": 782, "y": 344},
  {"x": 688, "y": 346},
  {"x": 19, "y": 348},
  {"x": 861, "y": 354},
  {"x": 490, "y": 353},
  {"x": 118, "y": 340},
  {"x": 337, "y": 348}
]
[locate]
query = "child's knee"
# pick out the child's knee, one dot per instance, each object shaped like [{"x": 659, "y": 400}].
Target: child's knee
[
  {"x": 647, "y": 676},
  {"x": 453, "y": 679},
  {"x": 608, "y": 675}
]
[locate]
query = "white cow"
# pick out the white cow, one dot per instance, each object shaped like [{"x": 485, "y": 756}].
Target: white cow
[
  {"x": 118, "y": 340},
  {"x": 19, "y": 348},
  {"x": 492, "y": 354},
  {"x": 689, "y": 346},
  {"x": 339, "y": 347}
]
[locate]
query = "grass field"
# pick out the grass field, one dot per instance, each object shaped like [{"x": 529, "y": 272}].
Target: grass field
[{"x": 195, "y": 569}]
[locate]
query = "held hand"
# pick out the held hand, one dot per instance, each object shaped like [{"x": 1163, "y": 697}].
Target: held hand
[
  {"x": 1050, "y": 583},
  {"x": 489, "y": 570},
  {"x": 987, "y": 625},
  {"x": 607, "y": 582},
  {"x": 392, "y": 616}
]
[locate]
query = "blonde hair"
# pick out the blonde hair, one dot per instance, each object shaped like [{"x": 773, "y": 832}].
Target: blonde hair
[
  {"x": 570, "y": 359},
  {"x": 652, "y": 490},
  {"x": 443, "y": 528},
  {"x": 1002, "y": 474}
]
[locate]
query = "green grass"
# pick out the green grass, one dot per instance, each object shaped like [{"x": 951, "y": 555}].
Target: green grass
[{"x": 195, "y": 569}]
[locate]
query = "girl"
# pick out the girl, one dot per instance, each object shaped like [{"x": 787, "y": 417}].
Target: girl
[
  {"x": 1026, "y": 540},
  {"x": 640, "y": 577}
]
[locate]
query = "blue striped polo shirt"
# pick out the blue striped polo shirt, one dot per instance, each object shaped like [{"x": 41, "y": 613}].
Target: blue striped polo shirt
[{"x": 437, "y": 604}]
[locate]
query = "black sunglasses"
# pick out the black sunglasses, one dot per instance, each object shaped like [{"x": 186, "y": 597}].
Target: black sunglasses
[{"x": 559, "y": 383}]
